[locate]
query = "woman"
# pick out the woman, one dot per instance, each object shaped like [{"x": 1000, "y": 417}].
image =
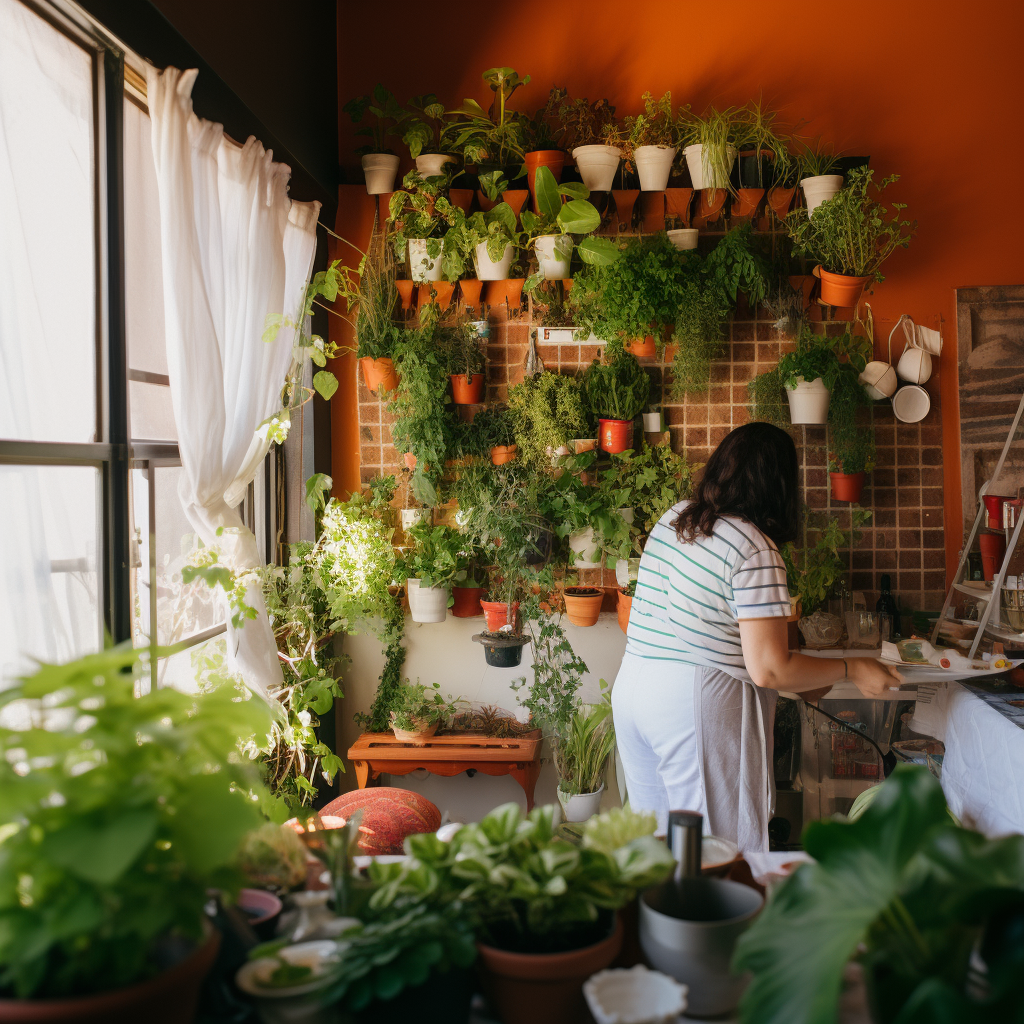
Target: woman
[{"x": 707, "y": 647}]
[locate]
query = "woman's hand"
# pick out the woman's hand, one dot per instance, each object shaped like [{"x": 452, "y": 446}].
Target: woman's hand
[{"x": 872, "y": 677}]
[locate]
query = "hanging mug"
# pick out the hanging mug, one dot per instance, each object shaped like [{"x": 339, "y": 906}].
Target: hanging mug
[
  {"x": 878, "y": 377},
  {"x": 915, "y": 365}
]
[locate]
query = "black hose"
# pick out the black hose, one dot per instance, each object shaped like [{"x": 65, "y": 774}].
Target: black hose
[{"x": 888, "y": 761}]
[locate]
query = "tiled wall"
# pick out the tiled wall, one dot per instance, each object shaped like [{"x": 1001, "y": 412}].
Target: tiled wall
[{"x": 905, "y": 537}]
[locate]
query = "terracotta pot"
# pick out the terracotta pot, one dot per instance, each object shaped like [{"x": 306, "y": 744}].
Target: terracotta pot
[
  {"x": 439, "y": 292},
  {"x": 841, "y": 289},
  {"x": 384, "y": 207},
  {"x": 803, "y": 283},
  {"x": 623, "y": 609},
  {"x": 552, "y": 159},
  {"x": 496, "y": 613},
  {"x": 583, "y": 605},
  {"x": 461, "y": 197},
  {"x": 514, "y": 292},
  {"x": 405, "y": 289},
  {"x": 483, "y": 202},
  {"x": 712, "y": 202},
  {"x": 516, "y": 198},
  {"x": 625, "y": 199},
  {"x": 502, "y": 453},
  {"x": 652, "y": 212},
  {"x": 467, "y": 390},
  {"x": 615, "y": 435},
  {"x": 746, "y": 202},
  {"x": 410, "y": 461},
  {"x": 470, "y": 289},
  {"x": 643, "y": 349},
  {"x": 467, "y": 602},
  {"x": 780, "y": 200},
  {"x": 169, "y": 998},
  {"x": 847, "y": 486},
  {"x": 677, "y": 203},
  {"x": 544, "y": 988},
  {"x": 993, "y": 547},
  {"x": 379, "y": 374}
]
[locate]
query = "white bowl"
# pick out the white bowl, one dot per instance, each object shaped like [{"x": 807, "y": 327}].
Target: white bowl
[
  {"x": 634, "y": 996},
  {"x": 911, "y": 403},
  {"x": 879, "y": 379}
]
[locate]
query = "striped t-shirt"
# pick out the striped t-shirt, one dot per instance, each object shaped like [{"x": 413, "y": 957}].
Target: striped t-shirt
[{"x": 690, "y": 597}]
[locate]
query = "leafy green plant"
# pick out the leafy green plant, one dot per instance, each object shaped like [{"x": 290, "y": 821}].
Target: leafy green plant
[
  {"x": 543, "y": 130},
  {"x": 492, "y": 427},
  {"x": 654, "y": 126},
  {"x": 913, "y": 897},
  {"x": 815, "y": 160},
  {"x": 420, "y": 706},
  {"x": 426, "y": 126},
  {"x": 413, "y": 214},
  {"x": 120, "y": 812},
  {"x": 581, "y": 754},
  {"x": 758, "y": 130},
  {"x": 719, "y": 132},
  {"x": 433, "y": 558},
  {"x": 699, "y": 338},
  {"x": 649, "y": 480},
  {"x": 550, "y": 411},
  {"x": 617, "y": 390},
  {"x": 460, "y": 348},
  {"x": 852, "y": 233},
  {"x": 273, "y": 857},
  {"x": 587, "y": 124},
  {"x": 495, "y": 228},
  {"x": 494, "y": 136},
  {"x": 854, "y": 453},
  {"x": 813, "y": 569},
  {"x": 387, "y": 115},
  {"x": 737, "y": 263}
]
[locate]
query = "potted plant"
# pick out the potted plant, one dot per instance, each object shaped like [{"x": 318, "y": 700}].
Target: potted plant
[
  {"x": 464, "y": 361},
  {"x": 495, "y": 431},
  {"x": 430, "y": 566},
  {"x": 582, "y": 604},
  {"x": 541, "y": 145},
  {"x": 849, "y": 459},
  {"x": 419, "y": 711},
  {"x": 927, "y": 907},
  {"x": 417, "y": 235},
  {"x": 120, "y": 813},
  {"x": 581, "y": 757},
  {"x": 624, "y": 606},
  {"x": 617, "y": 392},
  {"x": 590, "y": 133},
  {"x": 649, "y": 480},
  {"x": 549, "y": 411},
  {"x": 484, "y": 239},
  {"x": 380, "y": 164},
  {"x": 763, "y": 156},
  {"x": 817, "y": 172},
  {"x": 709, "y": 142},
  {"x": 652, "y": 142},
  {"x": 850, "y": 236},
  {"x": 427, "y": 134}
]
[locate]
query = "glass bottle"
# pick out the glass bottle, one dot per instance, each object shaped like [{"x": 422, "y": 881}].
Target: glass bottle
[{"x": 888, "y": 612}]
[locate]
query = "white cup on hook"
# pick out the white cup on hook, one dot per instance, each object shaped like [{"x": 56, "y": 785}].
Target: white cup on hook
[{"x": 915, "y": 365}]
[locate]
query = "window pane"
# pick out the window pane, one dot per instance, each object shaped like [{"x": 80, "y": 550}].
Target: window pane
[
  {"x": 141, "y": 568},
  {"x": 49, "y": 561},
  {"x": 189, "y": 669},
  {"x": 152, "y": 415},
  {"x": 144, "y": 292},
  {"x": 48, "y": 250}
]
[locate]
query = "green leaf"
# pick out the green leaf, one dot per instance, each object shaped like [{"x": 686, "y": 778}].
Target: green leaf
[
  {"x": 101, "y": 853},
  {"x": 545, "y": 188},
  {"x": 325, "y": 383},
  {"x": 599, "y": 252},
  {"x": 578, "y": 217},
  {"x": 574, "y": 190},
  {"x": 271, "y": 326},
  {"x": 210, "y": 821},
  {"x": 316, "y": 486}
]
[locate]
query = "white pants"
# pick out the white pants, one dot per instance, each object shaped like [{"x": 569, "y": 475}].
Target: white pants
[{"x": 656, "y": 733}]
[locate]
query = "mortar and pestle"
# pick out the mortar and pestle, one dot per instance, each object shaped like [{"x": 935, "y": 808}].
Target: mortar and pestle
[{"x": 689, "y": 925}]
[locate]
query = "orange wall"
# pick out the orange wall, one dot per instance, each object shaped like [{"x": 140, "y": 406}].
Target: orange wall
[{"x": 932, "y": 89}]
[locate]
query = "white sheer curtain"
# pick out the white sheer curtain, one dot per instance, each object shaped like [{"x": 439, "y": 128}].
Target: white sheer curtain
[{"x": 236, "y": 250}]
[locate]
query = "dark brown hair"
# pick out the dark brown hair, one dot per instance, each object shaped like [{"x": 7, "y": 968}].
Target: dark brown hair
[{"x": 752, "y": 475}]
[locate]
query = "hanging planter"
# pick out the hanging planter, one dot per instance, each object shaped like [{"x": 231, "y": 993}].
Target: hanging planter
[
  {"x": 745, "y": 205},
  {"x": 652, "y": 212},
  {"x": 492, "y": 270},
  {"x": 502, "y": 453},
  {"x": 842, "y": 289},
  {"x": 653, "y": 166},
  {"x": 438, "y": 292},
  {"x": 597, "y": 166},
  {"x": 623, "y": 608},
  {"x": 552, "y": 159},
  {"x": 683, "y": 238},
  {"x": 497, "y": 614},
  {"x": 583, "y": 605},
  {"x": 467, "y": 601},
  {"x": 588, "y": 554},
  {"x": 580, "y": 806},
  {"x": 808, "y": 402},
  {"x": 819, "y": 189},
  {"x": 379, "y": 374},
  {"x": 470, "y": 289},
  {"x": 379, "y": 170},
  {"x": 467, "y": 389},
  {"x": 879, "y": 379},
  {"x": 712, "y": 203},
  {"x": 615, "y": 435},
  {"x": 427, "y": 604},
  {"x": 780, "y": 199},
  {"x": 554, "y": 253},
  {"x": 405, "y": 288},
  {"x": 677, "y": 203},
  {"x": 695, "y": 165},
  {"x": 502, "y": 651},
  {"x": 847, "y": 486},
  {"x": 514, "y": 292},
  {"x": 422, "y": 266},
  {"x": 625, "y": 199}
]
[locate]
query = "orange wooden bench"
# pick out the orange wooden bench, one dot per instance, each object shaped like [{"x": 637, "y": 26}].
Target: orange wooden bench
[{"x": 380, "y": 753}]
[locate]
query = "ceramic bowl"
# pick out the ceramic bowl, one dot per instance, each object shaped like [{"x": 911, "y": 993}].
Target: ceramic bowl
[
  {"x": 879, "y": 379},
  {"x": 634, "y": 996},
  {"x": 911, "y": 403},
  {"x": 717, "y": 855}
]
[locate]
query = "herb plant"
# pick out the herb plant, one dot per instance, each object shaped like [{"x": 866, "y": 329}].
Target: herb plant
[
  {"x": 815, "y": 160},
  {"x": 420, "y": 706},
  {"x": 492, "y": 427},
  {"x": 550, "y": 411},
  {"x": 758, "y": 131},
  {"x": 718, "y": 131},
  {"x": 581, "y": 753},
  {"x": 813, "y": 569},
  {"x": 543, "y": 130},
  {"x": 617, "y": 390},
  {"x": 460, "y": 348},
  {"x": 387, "y": 115},
  {"x": 494, "y": 136},
  {"x": 649, "y": 480},
  {"x": 655, "y": 126},
  {"x": 426, "y": 126},
  {"x": 433, "y": 558},
  {"x": 587, "y": 124}
]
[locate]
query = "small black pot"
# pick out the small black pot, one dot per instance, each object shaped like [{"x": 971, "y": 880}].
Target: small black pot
[{"x": 502, "y": 652}]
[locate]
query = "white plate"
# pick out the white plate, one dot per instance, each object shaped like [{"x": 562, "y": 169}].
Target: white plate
[{"x": 948, "y": 673}]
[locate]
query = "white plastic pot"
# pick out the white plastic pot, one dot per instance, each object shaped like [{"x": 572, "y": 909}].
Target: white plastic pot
[
  {"x": 432, "y": 164},
  {"x": 808, "y": 402},
  {"x": 911, "y": 404},
  {"x": 597, "y": 166},
  {"x": 492, "y": 270},
  {"x": 589, "y": 554},
  {"x": 380, "y": 169},
  {"x": 295, "y": 1004},
  {"x": 879, "y": 379},
  {"x": 634, "y": 996},
  {"x": 554, "y": 252},
  {"x": 820, "y": 188},
  {"x": 427, "y": 604},
  {"x": 695, "y": 164},
  {"x": 580, "y": 806},
  {"x": 915, "y": 365},
  {"x": 683, "y": 238},
  {"x": 421, "y": 267},
  {"x": 654, "y": 165},
  {"x": 652, "y": 422}
]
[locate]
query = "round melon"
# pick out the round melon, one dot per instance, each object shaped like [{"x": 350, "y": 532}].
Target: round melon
[{"x": 389, "y": 815}]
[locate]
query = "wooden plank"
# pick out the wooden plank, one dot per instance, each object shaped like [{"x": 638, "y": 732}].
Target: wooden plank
[{"x": 384, "y": 746}]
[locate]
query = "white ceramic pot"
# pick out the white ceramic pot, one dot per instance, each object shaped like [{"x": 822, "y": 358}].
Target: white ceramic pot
[
  {"x": 808, "y": 402},
  {"x": 589, "y": 554},
  {"x": 380, "y": 169},
  {"x": 626, "y": 571},
  {"x": 427, "y": 604},
  {"x": 580, "y": 806},
  {"x": 914, "y": 366},
  {"x": 634, "y": 996},
  {"x": 421, "y": 266},
  {"x": 698, "y": 953},
  {"x": 412, "y": 516},
  {"x": 879, "y": 379},
  {"x": 819, "y": 188},
  {"x": 296, "y": 1004},
  {"x": 492, "y": 270},
  {"x": 652, "y": 422},
  {"x": 683, "y": 238},
  {"x": 432, "y": 164},
  {"x": 911, "y": 404},
  {"x": 654, "y": 165},
  {"x": 695, "y": 164},
  {"x": 597, "y": 166},
  {"x": 554, "y": 253}
]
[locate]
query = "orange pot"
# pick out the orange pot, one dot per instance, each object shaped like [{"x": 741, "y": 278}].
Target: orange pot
[
  {"x": 516, "y": 197},
  {"x": 552, "y": 159},
  {"x": 645, "y": 349},
  {"x": 780, "y": 199},
  {"x": 615, "y": 435},
  {"x": 467, "y": 602},
  {"x": 583, "y": 605},
  {"x": 652, "y": 211},
  {"x": 410, "y": 461},
  {"x": 847, "y": 486},
  {"x": 439, "y": 292},
  {"x": 746, "y": 202},
  {"x": 502, "y": 453},
  {"x": 405, "y": 289},
  {"x": 514, "y": 292},
  {"x": 841, "y": 289},
  {"x": 467, "y": 390},
  {"x": 993, "y": 547},
  {"x": 625, "y": 199},
  {"x": 623, "y": 609},
  {"x": 496, "y": 613},
  {"x": 461, "y": 197},
  {"x": 379, "y": 374},
  {"x": 712, "y": 201},
  {"x": 483, "y": 202},
  {"x": 567, "y": 285},
  {"x": 677, "y": 203},
  {"x": 804, "y": 283},
  {"x": 470, "y": 289}
]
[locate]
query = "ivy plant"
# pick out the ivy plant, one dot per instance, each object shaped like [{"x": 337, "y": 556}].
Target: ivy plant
[
  {"x": 814, "y": 568},
  {"x": 426, "y": 128},
  {"x": 649, "y": 480}
]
